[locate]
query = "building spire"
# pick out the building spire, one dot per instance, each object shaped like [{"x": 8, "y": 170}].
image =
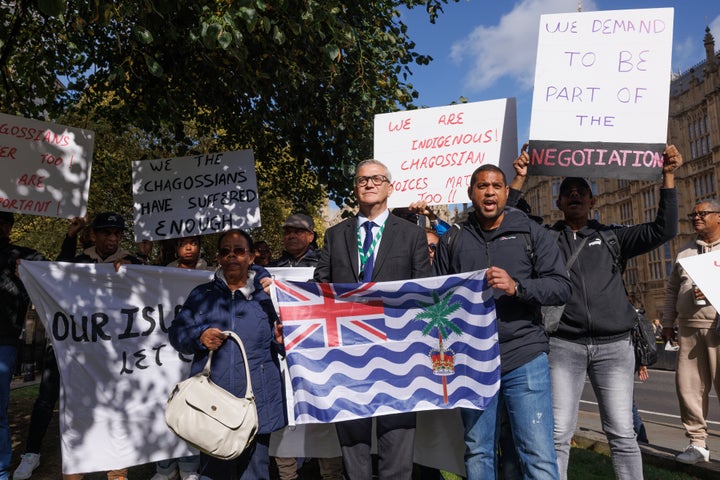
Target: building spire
[
  {"x": 711, "y": 59},
  {"x": 579, "y": 5}
]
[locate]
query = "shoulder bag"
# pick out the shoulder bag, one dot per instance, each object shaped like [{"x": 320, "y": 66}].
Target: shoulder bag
[{"x": 210, "y": 418}]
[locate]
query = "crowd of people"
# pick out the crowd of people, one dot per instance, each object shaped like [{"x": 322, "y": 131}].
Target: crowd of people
[{"x": 576, "y": 263}]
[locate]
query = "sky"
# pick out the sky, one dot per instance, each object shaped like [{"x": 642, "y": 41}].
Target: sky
[{"x": 486, "y": 49}]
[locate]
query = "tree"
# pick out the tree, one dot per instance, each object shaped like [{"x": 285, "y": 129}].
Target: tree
[{"x": 304, "y": 77}]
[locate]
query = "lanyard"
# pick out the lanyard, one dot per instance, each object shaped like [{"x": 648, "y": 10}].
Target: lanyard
[{"x": 364, "y": 256}]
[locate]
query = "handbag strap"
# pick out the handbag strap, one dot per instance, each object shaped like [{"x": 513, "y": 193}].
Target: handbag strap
[
  {"x": 233, "y": 335},
  {"x": 575, "y": 254}
]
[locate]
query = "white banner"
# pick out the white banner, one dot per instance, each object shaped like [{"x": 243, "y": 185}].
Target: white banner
[
  {"x": 195, "y": 195},
  {"x": 117, "y": 368},
  {"x": 46, "y": 167},
  {"x": 431, "y": 152},
  {"x": 705, "y": 270}
]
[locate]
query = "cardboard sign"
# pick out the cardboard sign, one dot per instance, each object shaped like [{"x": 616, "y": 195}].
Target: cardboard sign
[
  {"x": 46, "y": 167},
  {"x": 601, "y": 98},
  {"x": 196, "y": 195},
  {"x": 432, "y": 152},
  {"x": 705, "y": 270}
]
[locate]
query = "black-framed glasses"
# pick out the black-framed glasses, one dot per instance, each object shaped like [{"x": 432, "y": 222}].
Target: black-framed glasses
[
  {"x": 702, "y": 214},
  {"x": 238, "y": 251},
  {"x": 376, "y": 180}
]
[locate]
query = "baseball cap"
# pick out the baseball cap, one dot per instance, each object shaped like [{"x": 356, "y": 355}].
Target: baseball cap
[
  {"x": 108, "y": 220},
  {"x": 300, "y": 220},
  {"x": 574, "y": 182}
]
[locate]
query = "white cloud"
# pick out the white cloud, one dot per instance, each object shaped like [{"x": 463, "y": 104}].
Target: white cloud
[
  {"x": 715, "y": 30},
  {"x": 509, "y": 48}
]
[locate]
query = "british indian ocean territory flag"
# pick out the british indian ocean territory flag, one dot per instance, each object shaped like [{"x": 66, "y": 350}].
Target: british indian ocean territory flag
[{"x": 363, "y": 350}]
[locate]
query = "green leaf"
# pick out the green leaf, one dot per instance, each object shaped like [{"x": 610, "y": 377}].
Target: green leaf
[
  {"x": 145, "y": 36},
  {"x": 333, "y": 51},
  {"x": 224, "y": 40},
  {"x": 153, "y": 66}
]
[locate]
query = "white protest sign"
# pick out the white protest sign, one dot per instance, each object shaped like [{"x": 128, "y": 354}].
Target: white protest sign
[
  {"x": 432, "y": 152},
  {"x": 705, "y": 270},
  {"x": 601, "y": 96},
  {"x": 195, "y": 195},
  {"x": 46, "y": 167}
]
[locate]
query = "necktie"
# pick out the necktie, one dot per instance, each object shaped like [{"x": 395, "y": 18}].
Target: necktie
[{"x": 367, "y": 243}]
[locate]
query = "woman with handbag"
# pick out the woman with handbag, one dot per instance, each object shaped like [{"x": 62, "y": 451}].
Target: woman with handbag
[{"x": 235, "y": 301}]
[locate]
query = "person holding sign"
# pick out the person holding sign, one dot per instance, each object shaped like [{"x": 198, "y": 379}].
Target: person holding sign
[
  {"x": 235, "y": 300},
  {"x": 375, "y": 246},
  {"x": 698, "y": 338},
  {"x": 593, "y": 337},
  {"x": 14, "y": 303},
  {"x": 525, "y": 270}
]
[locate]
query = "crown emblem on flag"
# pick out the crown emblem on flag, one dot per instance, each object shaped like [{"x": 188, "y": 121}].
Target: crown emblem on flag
[{"x": 443, "y": 361}]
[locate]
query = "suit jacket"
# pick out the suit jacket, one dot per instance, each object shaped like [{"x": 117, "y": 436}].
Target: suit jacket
[{"x": 403, "y": 253}]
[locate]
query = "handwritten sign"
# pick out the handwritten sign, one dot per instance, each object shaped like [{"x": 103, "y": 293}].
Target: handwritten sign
[
  {"x": 432, "y": 152},
  {"x": 46, "y": 167},
  {"x": 705, "y": 270},
  {"x": 602, "y": 87},
  {"x": 196, "y": 195}
]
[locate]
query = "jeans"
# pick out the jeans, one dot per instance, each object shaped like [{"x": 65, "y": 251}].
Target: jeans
[
  {"x": 8, "y": 355},
  {"x": 48, "y": 395},
  {"x": 611, "y": 369},
  {"x": 526, "y": 394},
  {"x": 638, "y": 425},
  {"x": 190, "y": 463}
]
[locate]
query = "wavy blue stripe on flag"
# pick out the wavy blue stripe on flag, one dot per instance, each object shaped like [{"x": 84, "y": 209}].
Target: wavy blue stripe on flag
[{"x": 362, "y": 350}]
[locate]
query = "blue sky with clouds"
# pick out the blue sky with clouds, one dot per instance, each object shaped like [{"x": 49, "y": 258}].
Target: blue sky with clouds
[{"x": 484, "y": 49}]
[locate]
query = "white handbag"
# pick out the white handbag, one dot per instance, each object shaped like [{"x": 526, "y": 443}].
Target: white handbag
[{"x": 210, "y": 418}]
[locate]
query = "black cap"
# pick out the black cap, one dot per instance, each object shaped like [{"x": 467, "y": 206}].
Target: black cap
[
  {"x": 7, "y": 217},
  {"x": 108, "y": 220},
  {"x": 577, "y": 182}
]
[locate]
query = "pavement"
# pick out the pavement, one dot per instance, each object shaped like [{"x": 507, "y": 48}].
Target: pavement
[{"x": 667, "y": 439}]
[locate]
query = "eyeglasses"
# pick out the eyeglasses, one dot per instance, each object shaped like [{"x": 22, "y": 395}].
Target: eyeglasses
[
  {"x": 238, "y": 251},
  {"x": 701, "y": 214},
  {"x": 376, "y": 180},
  {"x": 432, "y": 247}
]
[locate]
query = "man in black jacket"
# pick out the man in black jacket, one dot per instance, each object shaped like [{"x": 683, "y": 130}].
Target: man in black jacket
[
  {"x": 593, "y": 338},
  {"x": 298, "y": 235},
  {"x": 525, "y": 270},
  {"x": 14, "y": 302}
]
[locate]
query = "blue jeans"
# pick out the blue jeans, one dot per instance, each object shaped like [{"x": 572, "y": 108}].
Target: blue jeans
[
  {"x": 253, "y": 464},
  {"x": 611, "y": 370},
  {"x": 526, "y": 394},
  {"x": 8, "y": 355}
]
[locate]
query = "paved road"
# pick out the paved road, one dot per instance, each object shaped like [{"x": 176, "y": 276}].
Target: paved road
[{"x": 658, "y": 406}]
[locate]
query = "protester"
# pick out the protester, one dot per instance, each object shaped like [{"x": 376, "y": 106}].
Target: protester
[
  {"x": 375, "y": 246},
  {"x": 235, "y": 300},
  {"x": 14, "y": 302},
  {"x": 698, "y": 338},
  {"x": 497, "y": 238},
  {"x": 298, "y": 235},
  {"x": 264, "y": 253},
  {"x": 432, "y": 240},
  {"x": 593, "y": 339},
  {"x": 187, "y": 250}
]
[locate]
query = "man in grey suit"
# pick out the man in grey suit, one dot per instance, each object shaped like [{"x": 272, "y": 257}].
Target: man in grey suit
[{"x": 375, "y": 246}]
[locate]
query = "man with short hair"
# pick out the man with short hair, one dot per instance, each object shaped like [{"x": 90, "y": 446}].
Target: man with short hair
[
  {"x": 698, "y": 338},
  {"x": 593, "y": 338},
  {"x": 375, "y": 246},
  {"x": 298, "y": 235},
  {"x": 525, "y": 270},
  {"x": 14, "y": 303}
]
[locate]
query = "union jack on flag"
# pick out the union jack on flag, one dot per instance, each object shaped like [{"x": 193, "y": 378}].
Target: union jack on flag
[{"x": 361, "y": 350}]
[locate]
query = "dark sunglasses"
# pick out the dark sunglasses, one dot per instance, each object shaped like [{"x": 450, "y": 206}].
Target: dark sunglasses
[{"x": 238, "y": 251}]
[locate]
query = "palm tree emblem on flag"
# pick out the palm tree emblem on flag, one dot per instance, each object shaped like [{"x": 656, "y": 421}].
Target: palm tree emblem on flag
[{"x": 437, "y": 316}]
